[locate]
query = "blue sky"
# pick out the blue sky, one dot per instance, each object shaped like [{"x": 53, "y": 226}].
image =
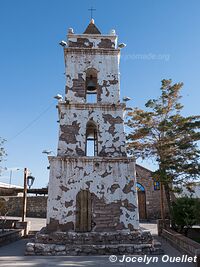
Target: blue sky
[{"x": 162, "y": 38}]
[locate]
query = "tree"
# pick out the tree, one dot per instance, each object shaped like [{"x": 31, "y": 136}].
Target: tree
[
  {"x": 185, "y": 214},
  {"x": 162, "y": 133}
]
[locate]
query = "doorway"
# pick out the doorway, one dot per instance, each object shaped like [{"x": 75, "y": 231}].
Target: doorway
[
  {"x": 141, "y": 201},
  {"x": 83, "y": 211}
]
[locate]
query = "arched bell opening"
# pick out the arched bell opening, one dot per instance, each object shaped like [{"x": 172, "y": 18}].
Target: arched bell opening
[
  {"x": 91, "y": 86},
  {"x": 91, "y": 139}
]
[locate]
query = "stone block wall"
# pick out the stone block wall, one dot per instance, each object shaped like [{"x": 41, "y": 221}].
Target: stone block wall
[
  {"x": 83, "y": 244},
  {"x": 36, "y": 206}
]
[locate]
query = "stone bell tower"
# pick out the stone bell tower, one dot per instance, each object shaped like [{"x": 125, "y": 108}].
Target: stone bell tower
[
  {"x": 92, "y": 181},
  {"x": 92, "y": 207}
]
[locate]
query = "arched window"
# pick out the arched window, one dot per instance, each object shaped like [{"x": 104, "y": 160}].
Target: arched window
[
  {"x": 140, "y": 187},
  {"x": 156, "y": 185},
  {"x": 91, "y": 139},
  {"x": 91, "y": 86}
]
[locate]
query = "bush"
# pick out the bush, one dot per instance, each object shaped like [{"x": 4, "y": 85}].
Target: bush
[{"x": 185, "y": 213}]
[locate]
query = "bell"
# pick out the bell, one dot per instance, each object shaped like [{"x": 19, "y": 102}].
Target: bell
[{"x": 91, "y": 85}]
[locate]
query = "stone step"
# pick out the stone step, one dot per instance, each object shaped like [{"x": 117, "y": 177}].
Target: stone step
[
  {"x": 84, "y": 250},
  {"x": 96, "y": 238},
  {"x": 94, "y": 243}
]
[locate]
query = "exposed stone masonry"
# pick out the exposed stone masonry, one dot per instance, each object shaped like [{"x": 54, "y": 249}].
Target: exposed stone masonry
[{"x": 117, "y": 243}]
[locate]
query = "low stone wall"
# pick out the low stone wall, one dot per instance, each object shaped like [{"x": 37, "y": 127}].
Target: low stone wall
[
  {"x": 10, "y": 236},
  {"x": 186, "y": 245},
  {"x": 182, "y": 243},
  {"x": 9, "y": 224},
  {"x": 93, "y": 243},
  {"x": 162, "y": 224},
  {"x": 36, "y": 206},
  {"x": 194, "y": 232}
]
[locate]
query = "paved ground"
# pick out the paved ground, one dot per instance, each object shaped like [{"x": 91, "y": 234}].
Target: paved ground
[
  {"x": 12, "y": 255},
  {"x": 77, "y": 262}
]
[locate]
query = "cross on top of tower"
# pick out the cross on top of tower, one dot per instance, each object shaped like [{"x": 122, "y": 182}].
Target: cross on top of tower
[{"x": 91, "y": 10}]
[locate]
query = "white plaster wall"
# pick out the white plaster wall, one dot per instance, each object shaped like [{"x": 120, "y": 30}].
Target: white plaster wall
[
  {"x": 69, "y": 175},
  {"x": 113, "y": 141},
  {"x": 107, "y": 66}
]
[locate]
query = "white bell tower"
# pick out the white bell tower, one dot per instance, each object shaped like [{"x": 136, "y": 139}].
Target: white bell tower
[{"x": 92, "y": 181}]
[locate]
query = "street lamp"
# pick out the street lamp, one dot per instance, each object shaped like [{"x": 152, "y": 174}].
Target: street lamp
[{"x": 30, "y": 181}]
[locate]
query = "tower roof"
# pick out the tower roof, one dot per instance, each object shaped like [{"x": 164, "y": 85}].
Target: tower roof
[{"x": 91, "y": 28}]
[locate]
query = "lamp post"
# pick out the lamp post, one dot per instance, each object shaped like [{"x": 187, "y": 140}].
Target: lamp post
[{"x": 28, "y": 181}]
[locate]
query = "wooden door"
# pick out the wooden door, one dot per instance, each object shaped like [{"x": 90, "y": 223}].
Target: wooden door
[
  {"x": 142, "y": 205},
  {"x": 83, "y": 211}
]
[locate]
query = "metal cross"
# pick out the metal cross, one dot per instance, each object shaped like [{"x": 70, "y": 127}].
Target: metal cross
[{"x": 91, "y": 9}]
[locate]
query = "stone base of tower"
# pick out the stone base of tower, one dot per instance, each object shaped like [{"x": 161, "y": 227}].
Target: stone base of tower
[{"x": 94, "y": 243}]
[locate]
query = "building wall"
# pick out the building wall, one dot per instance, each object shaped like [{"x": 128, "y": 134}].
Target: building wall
[
  {"x": 36, "y": 206},
  {"x": 144, "y": 177}
]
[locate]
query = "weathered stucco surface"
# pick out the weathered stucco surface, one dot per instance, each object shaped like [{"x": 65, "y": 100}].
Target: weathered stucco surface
[
  {"x": 109, "y": 177},
  {"x": 73, "y": 121},
  {"x": 111, "y": 181},
  {"x": 106, "y": 63}
]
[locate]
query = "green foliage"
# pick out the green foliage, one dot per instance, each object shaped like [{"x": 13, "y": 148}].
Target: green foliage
[
  {"x": 185, "y": 213},
  {"x": 162, "y": 133}
]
